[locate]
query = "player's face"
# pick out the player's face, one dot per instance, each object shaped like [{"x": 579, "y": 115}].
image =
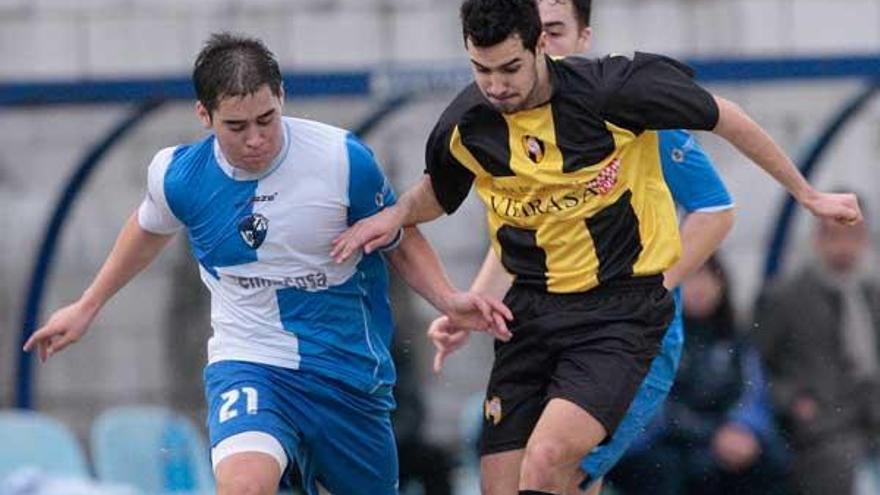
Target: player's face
[
  {"x": 506, "y": 73},
  {"x": 564, "y": 34},
  {"x": 248, "y": 128}
]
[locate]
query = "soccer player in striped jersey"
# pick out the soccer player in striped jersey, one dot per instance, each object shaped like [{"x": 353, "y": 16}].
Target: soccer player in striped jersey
[
  {"x": 566, "y": 158},
  {"x": 299, "y": 368},
  {"x": 696, "y": 189}
]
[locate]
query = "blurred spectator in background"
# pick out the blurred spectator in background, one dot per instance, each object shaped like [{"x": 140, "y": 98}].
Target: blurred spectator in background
[
  {"x": 818, "y": 334},
  {"x": 715, "y": 434}
]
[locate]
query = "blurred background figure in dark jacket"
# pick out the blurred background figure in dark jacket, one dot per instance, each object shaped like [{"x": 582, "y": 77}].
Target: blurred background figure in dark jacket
[
  {"x": 818, "y": 335},
  {"x": 716, "y": 434}
]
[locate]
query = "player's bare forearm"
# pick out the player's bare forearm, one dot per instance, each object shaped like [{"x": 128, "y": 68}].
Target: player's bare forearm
[
  {"x": 417, "y": 262},
  {"x": 419, "y": 204},
  {"x": 135, "y": 248},
  {"x": 492, "y": 279},
  {"x": 420, "y": 267},
  {"x": 701, "y": 234},
  {"x": 748, "y": 137}
]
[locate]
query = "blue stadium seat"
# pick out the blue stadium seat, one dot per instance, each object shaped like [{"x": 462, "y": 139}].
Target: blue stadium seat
[
  {"x": 152, "y": 448},
  {"x": 30, "y": 439}
]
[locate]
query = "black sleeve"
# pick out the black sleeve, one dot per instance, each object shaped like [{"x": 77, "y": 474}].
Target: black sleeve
[
  {"x": 450, "y": 179},
  {"x": 654, "y": 92}
]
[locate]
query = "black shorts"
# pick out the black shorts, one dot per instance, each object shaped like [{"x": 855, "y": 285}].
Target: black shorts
[{"x": 592, "y": 348}]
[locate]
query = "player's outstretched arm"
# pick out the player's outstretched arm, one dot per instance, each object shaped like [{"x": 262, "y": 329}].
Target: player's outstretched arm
[
  {"x": 135, "y": 248},
  {"x": 492, "y": 279},
  {"x": 417, "y": 262},
  {"x": 748, "y": 137},
  {"x": 418, "y": 205}
]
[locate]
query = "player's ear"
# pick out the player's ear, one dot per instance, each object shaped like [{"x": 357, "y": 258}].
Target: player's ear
[
  {"x": 541, "y": 46},
  {"x": 585, "y": 39},
  {"x": 203, "y": 115},
  {"x": 281, "y": 95}
]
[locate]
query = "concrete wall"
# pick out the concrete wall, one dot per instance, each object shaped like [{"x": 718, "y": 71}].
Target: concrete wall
[
  {"x": 101, "y": 38},
  {"x": 124, "y": 358}
]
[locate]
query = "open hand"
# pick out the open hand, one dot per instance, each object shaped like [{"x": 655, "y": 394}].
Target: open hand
[
  {"x": 479, "y": 312},
  {"x": 65, "y": 326},
  {"x": 371, "y": 233},
  {"x": 446, "y": 339}
]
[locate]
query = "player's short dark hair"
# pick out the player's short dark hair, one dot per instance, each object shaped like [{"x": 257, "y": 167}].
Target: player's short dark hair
[
  {"x": 489, "y": 22},
  {"x": 582, "y": 10},
  {"x": 233, "y": 65}
]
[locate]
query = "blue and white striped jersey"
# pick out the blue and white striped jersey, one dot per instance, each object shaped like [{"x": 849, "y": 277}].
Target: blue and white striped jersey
[{"x": 263, "y": 242}]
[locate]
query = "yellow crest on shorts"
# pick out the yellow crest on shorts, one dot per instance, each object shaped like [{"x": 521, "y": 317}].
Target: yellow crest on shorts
[{"x": 492, "y": 410}]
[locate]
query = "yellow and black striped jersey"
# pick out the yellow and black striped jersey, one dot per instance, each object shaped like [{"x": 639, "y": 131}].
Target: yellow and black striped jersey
[{"x": 574, "y": 191}]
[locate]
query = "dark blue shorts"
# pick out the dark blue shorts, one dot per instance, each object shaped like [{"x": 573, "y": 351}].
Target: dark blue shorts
[{"x": 338, "y": 436}]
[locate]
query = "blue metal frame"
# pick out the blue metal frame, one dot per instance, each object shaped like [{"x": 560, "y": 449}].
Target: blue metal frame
[
  {"x": 360, "y": 83},
  {"x": 49, "y": 244},
  {"x": 808, "y": 164},
  {"x": 301, "y": 84},
  {"x": 767, "y": 69},
  {"x": 154, "y": 91}
]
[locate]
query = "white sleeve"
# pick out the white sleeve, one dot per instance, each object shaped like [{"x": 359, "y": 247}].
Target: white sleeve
[{"x": 154, "y": 214}]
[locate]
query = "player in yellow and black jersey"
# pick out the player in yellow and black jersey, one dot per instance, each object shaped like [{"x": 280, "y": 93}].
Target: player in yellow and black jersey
[
  {"x": 564, "y": 157},
  {"x": 573, "y": 187}
]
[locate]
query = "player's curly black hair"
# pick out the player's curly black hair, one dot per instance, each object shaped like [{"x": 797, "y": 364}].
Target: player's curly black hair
[
  {"x": 233, "y": 65},
  {"x": 486, "y": 23}
]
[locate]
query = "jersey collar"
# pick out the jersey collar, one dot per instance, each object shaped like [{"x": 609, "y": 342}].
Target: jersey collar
[{"x": 244, "y": 175}]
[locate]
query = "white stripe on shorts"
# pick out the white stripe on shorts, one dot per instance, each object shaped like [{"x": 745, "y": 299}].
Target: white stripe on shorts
[{"x": 249, "y": 441}]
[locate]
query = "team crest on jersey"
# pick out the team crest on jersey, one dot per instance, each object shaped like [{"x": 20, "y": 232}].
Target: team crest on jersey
[
  {"x": 677, "y": 155},
  {"x": 492, "y": 410},
  {"x": 534, "y": 147},
  {"x": 253, "y": 229}
]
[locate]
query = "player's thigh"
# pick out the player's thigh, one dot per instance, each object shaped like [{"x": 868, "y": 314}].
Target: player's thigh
[
  {"x": 247, "y": 413},
  {"x": 601, "y": 367},
  {"x": 248, "y": 473},
  {"x": 517, "y": 388},
  {"x": 564, "y": 434},
  {"x": 351, "y": 448}
]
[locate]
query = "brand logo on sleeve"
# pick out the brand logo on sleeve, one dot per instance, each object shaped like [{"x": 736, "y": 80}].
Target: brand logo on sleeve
[
  {"x": 253, "y": 229},
  {"x": 677, "y": 155}
]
